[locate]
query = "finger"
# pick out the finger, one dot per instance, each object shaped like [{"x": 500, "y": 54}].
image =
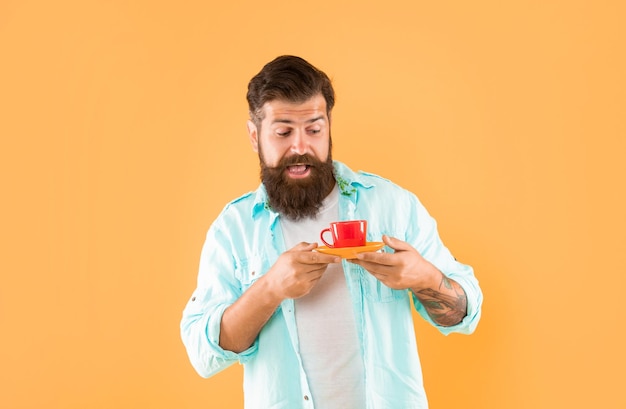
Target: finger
[
  {"x": 304, "y": 246},
  {"x": 316, "y": 273},
  {"x": 315, "y": 280},
  {"x": 313, "y": 257},
  {"x": 396, "y": 244},
  {"x": 386, "y": 259},
  {"x": 374, "y": 268},
  {"x": 305, "y": 254}
]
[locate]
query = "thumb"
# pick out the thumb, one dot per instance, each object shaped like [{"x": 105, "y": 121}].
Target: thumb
[
  {"x": 304, "y": 246},
  {"x": 396, "y": 244}
]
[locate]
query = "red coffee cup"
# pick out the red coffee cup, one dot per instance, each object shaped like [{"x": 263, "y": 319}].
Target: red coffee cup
[{"x": 350, "y": 233}]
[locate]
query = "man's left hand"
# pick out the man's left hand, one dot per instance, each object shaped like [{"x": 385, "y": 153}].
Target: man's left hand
[
  {"x": 444, "y": 299},
  {"x": 405, "y": 268}
]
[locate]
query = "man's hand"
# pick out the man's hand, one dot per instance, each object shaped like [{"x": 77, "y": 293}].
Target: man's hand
[
  {"x": 405, "y": 268},
  {"x": 444, "y": 299},
  {"x": 297, "y": 270},
  {"x": 294, "y": 274}
]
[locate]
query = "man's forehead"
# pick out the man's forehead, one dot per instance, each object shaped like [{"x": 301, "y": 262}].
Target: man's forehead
[{"x": 282, "y": 108}]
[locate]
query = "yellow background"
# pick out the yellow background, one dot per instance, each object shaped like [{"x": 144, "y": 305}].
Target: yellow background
[{"x": 123, "y": 135}]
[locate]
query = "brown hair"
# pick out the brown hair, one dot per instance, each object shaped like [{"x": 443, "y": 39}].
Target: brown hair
[{"x": 288, "y": 78}]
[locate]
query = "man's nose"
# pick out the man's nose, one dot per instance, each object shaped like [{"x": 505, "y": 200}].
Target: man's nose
[{"x": 299, "y": 143}]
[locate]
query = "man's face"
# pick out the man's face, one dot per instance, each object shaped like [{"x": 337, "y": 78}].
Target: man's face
[
  {"x": 291, "y": 129},
  {"x": 293, "y": 142}
]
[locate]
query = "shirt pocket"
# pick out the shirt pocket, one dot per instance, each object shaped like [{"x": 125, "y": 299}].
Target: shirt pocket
[
  {"x": 376, "y": 291},
  {"x": 251, "y": 269}
]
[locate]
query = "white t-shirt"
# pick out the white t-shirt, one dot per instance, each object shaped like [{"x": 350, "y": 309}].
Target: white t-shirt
[{"x": 325, "y": 322}]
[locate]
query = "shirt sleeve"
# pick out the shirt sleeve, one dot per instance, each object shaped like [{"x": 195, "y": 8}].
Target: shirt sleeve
[
  {"x": 427, "y": 241},
  {"x": 217, "y": 289}
]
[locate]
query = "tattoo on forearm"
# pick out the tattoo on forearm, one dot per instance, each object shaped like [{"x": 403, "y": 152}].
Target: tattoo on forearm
[{"x": 446, "y": 305}]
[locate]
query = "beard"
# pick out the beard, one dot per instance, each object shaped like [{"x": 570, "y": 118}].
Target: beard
[{"x": 297, "y": 199}]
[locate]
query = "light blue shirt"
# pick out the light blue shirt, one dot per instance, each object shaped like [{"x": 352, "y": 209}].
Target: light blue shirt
[{"x": 245, "y": 241}]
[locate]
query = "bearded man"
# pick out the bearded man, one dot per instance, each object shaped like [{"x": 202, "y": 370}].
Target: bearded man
[{"x": 314, "y": 330}]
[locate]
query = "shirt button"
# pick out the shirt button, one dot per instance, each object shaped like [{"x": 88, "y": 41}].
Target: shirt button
[
  {"x": 306, "y": 397},
  {"x": 193, "y": 298}
]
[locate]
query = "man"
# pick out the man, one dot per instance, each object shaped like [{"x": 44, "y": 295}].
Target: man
[{"x": 313, "y": 330}]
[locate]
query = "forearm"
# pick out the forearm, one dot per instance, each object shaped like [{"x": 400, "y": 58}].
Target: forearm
[
  {"x": 244, "y": 319},
  {"x": 444, "y": 300}
]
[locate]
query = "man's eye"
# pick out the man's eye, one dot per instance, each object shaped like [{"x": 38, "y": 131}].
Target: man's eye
[
  {"x": 314, "y": 131},
  {"x": 283, "y": 133}
]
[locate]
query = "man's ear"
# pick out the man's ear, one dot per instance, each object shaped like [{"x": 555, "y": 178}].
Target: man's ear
[{"x": 253, "y": 135}]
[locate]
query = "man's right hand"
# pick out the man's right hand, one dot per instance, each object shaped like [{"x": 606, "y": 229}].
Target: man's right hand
[
  {"x": 293, "y": 275},
  {"x": 297, "y": 270}
]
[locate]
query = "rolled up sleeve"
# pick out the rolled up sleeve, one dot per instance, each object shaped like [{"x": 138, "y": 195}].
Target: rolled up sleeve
[
  {"x": 431, "y": 247},
  {"x": 217, "y": 289}
]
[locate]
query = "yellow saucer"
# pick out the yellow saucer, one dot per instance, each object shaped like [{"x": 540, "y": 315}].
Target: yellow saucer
[{"x": 350, "y": 252}]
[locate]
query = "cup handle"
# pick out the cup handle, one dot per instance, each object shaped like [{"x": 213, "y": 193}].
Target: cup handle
[{"x": 322, "y": 237}]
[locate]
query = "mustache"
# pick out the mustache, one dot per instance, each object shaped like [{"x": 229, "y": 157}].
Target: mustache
[{"x": 304, "y": 159}]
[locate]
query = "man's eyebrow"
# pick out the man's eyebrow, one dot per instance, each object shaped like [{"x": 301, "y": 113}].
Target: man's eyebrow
[
  {"x": 289, "y": 121},
  {"x": 310, "y": 121}
]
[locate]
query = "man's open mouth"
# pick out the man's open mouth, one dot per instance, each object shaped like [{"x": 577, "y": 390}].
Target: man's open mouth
[{"x": 298, "y": 169}]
